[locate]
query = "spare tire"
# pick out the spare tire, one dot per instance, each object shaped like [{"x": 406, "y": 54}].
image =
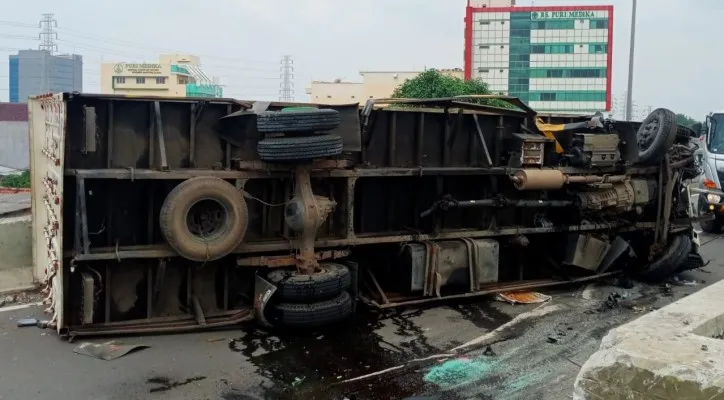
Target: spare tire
[
  {"x": 297, "y": 120},
  {"x": 311, "y": 315},
  {"x": 328, "y": 281},
  {"x": 668, "y": 262},
  {"x": 204, "y": 218},
  {"x": 295, "y": 149},
  {"x": 656, "y": 135}
]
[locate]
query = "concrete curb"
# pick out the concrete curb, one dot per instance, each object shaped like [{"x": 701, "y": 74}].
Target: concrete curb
[{"x": 671, "y": 353}]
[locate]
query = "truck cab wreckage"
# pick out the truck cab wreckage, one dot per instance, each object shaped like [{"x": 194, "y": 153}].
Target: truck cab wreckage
[{"x": 178, "y": 214}]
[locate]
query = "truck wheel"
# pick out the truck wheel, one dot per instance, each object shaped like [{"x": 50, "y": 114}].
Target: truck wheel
[
  {"x": 289, "y": 149},
  {"x": 331, "y": 280},
  {"x": 711, "y": 225},
  {"x": 204, "y": 218},
  {"x": 669, "y": 262},
  {"x": 656, "y": 135},
  {"x": 311, "y": 315},
  {"x": 693, "y": 261},
  {"x": 297, "y": 120}
]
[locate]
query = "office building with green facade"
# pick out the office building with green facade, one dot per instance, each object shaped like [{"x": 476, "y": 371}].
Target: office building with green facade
[{"x": 556, "y": 59}]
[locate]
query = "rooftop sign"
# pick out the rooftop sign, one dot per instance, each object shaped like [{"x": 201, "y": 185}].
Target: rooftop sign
[
  {"x": 563, "y": 15},
  {"x": 138, "y": 69}
]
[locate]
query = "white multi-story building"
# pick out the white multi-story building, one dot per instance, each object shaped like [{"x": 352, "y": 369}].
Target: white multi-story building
[{"x": 553, "y": 58}]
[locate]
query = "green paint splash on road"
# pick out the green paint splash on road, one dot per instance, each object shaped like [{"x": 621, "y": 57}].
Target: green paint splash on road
[{"x": 457, "y": 372}]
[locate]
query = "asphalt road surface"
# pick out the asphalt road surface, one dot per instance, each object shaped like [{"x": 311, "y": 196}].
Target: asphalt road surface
[{"x": 538, "y": 357}]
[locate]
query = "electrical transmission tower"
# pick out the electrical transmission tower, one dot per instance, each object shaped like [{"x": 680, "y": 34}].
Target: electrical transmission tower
[
  {"x": 286, "y": 91},
  {"x": 48, "y": 35}
]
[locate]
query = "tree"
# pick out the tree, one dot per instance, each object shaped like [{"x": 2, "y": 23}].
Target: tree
[
  {"x": 433, "y": 84},
  {"x": 683, "y": 119}
]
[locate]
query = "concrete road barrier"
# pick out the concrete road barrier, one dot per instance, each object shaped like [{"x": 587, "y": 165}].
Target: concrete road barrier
[
  {"x": 16, "y": 257},
  {"x": 673, "y": 353}
]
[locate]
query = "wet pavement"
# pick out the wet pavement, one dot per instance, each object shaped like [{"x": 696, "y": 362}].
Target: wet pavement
[{"x": 536, "y": 358}]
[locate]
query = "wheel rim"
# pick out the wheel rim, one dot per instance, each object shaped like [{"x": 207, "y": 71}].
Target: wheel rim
[
  {"x": 207, "y": 219},
  {"x": 646, "y": 135}
]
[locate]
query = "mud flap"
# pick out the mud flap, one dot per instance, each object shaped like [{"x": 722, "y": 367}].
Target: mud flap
[{"x": 263, "y": 291}]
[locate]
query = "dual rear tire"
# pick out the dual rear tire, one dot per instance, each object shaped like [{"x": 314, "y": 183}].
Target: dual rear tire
[
  {"x": 309, "y": 301},
  {"x": 304, "y": 135}
]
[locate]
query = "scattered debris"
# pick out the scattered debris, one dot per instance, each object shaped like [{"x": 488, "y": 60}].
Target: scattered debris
[
  {"x": 704, "y": 347},
  {"x": 216, "y": 339},
  {"x": 667, "y": 290},
  {"x": 26, "y": 322},
  {"x": 44, "y": 324},
  {"x": 553, "y": 340},
  {"x": 166, "y": 384},
  {"x": 489, "y": 352},
  {"x": 625, "y": 282},
  {"x": 456, "y": 371},
  {"x": 298, "y": 381},
  {"x": 497, "y": 332},
  {"x": 680, "y": 282},
  {"x": 107, "y": 351},
  {"x": 613, "y": 301},
  {"x": 523, "y": 298}
]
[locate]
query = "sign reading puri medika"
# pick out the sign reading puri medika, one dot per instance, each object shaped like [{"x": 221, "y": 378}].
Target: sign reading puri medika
[
  {"x": 563, "y": 15},
  {"x": 138, "y": 69}
]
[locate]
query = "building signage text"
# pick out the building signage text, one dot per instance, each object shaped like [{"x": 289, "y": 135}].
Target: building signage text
[
  {"x": 563, "y": 15},
  {"x": 138, "y": 69}
]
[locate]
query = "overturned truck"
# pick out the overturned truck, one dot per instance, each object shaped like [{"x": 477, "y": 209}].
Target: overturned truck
[{"x": 159, "y": 215}]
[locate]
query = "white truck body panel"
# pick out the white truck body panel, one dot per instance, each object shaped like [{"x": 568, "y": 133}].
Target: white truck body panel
[{"x": 47, "y": 125}]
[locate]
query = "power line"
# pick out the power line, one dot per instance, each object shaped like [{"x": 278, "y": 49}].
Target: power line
[
  {"x": 135, "y": 45},
  {"x": 286, "y": 91}
]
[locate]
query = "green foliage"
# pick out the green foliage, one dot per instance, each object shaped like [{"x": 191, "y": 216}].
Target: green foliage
[
  {"x": 16, "y": 181},
  {"x": 433, "y": 84},
  {"x": 683, "y": 119}
]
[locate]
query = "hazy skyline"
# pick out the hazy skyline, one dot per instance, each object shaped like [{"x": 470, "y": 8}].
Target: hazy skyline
[{"x": 242, "y": 41}]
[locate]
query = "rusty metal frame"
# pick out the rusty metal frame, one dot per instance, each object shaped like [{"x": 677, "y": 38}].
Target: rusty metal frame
[
  {"x": 161, "y": 251},
  {"x": 175, "y": 324},
  {"x": 404, "y": 301}
]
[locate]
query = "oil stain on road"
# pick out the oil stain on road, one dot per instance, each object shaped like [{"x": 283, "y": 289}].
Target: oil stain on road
[{"x": 310, "y": 365}]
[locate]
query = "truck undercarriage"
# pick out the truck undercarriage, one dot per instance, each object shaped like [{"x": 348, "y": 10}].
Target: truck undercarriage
[{"x": 161, "y": 215}]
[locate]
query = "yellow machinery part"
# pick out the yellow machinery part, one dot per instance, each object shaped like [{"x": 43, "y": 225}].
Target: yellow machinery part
[{"x": 548, "y": 129}]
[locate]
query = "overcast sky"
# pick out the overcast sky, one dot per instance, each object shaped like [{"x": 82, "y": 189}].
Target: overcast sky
[{"x": 241, "y": 41}]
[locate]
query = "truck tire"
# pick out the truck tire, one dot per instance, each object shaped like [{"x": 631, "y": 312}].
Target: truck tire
[
  {"x": 204, "y": 218},
  {"x": 669, "y": 262},
  {"x": 291, "y": 149},
  {"x": 656, "y": 135},
  {"x": 297, "y": 120},
  {"x": 331, "y": 280},
  {"x": 311, "y": 315},
  {"x": 691, "y": 262}
]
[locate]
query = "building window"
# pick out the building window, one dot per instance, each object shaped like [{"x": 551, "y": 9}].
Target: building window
[
  {"x": 564, "y": 24},
  {"x": 548, "y": 97},
  {"x": 140, "y": 81},
  {"x": 552, "y": 49},
  {"x": 597, "y": 48},
  {"x": 120, "y": 79},
  {"x": 182, "y": 80},
  {"x": 599, "y": 24},
  {"x": 484, "y": 22},
  {"x": 161, "y": 80},
  {"x": 329, "y": 97},
  {"x": 353, "y": 97}
]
